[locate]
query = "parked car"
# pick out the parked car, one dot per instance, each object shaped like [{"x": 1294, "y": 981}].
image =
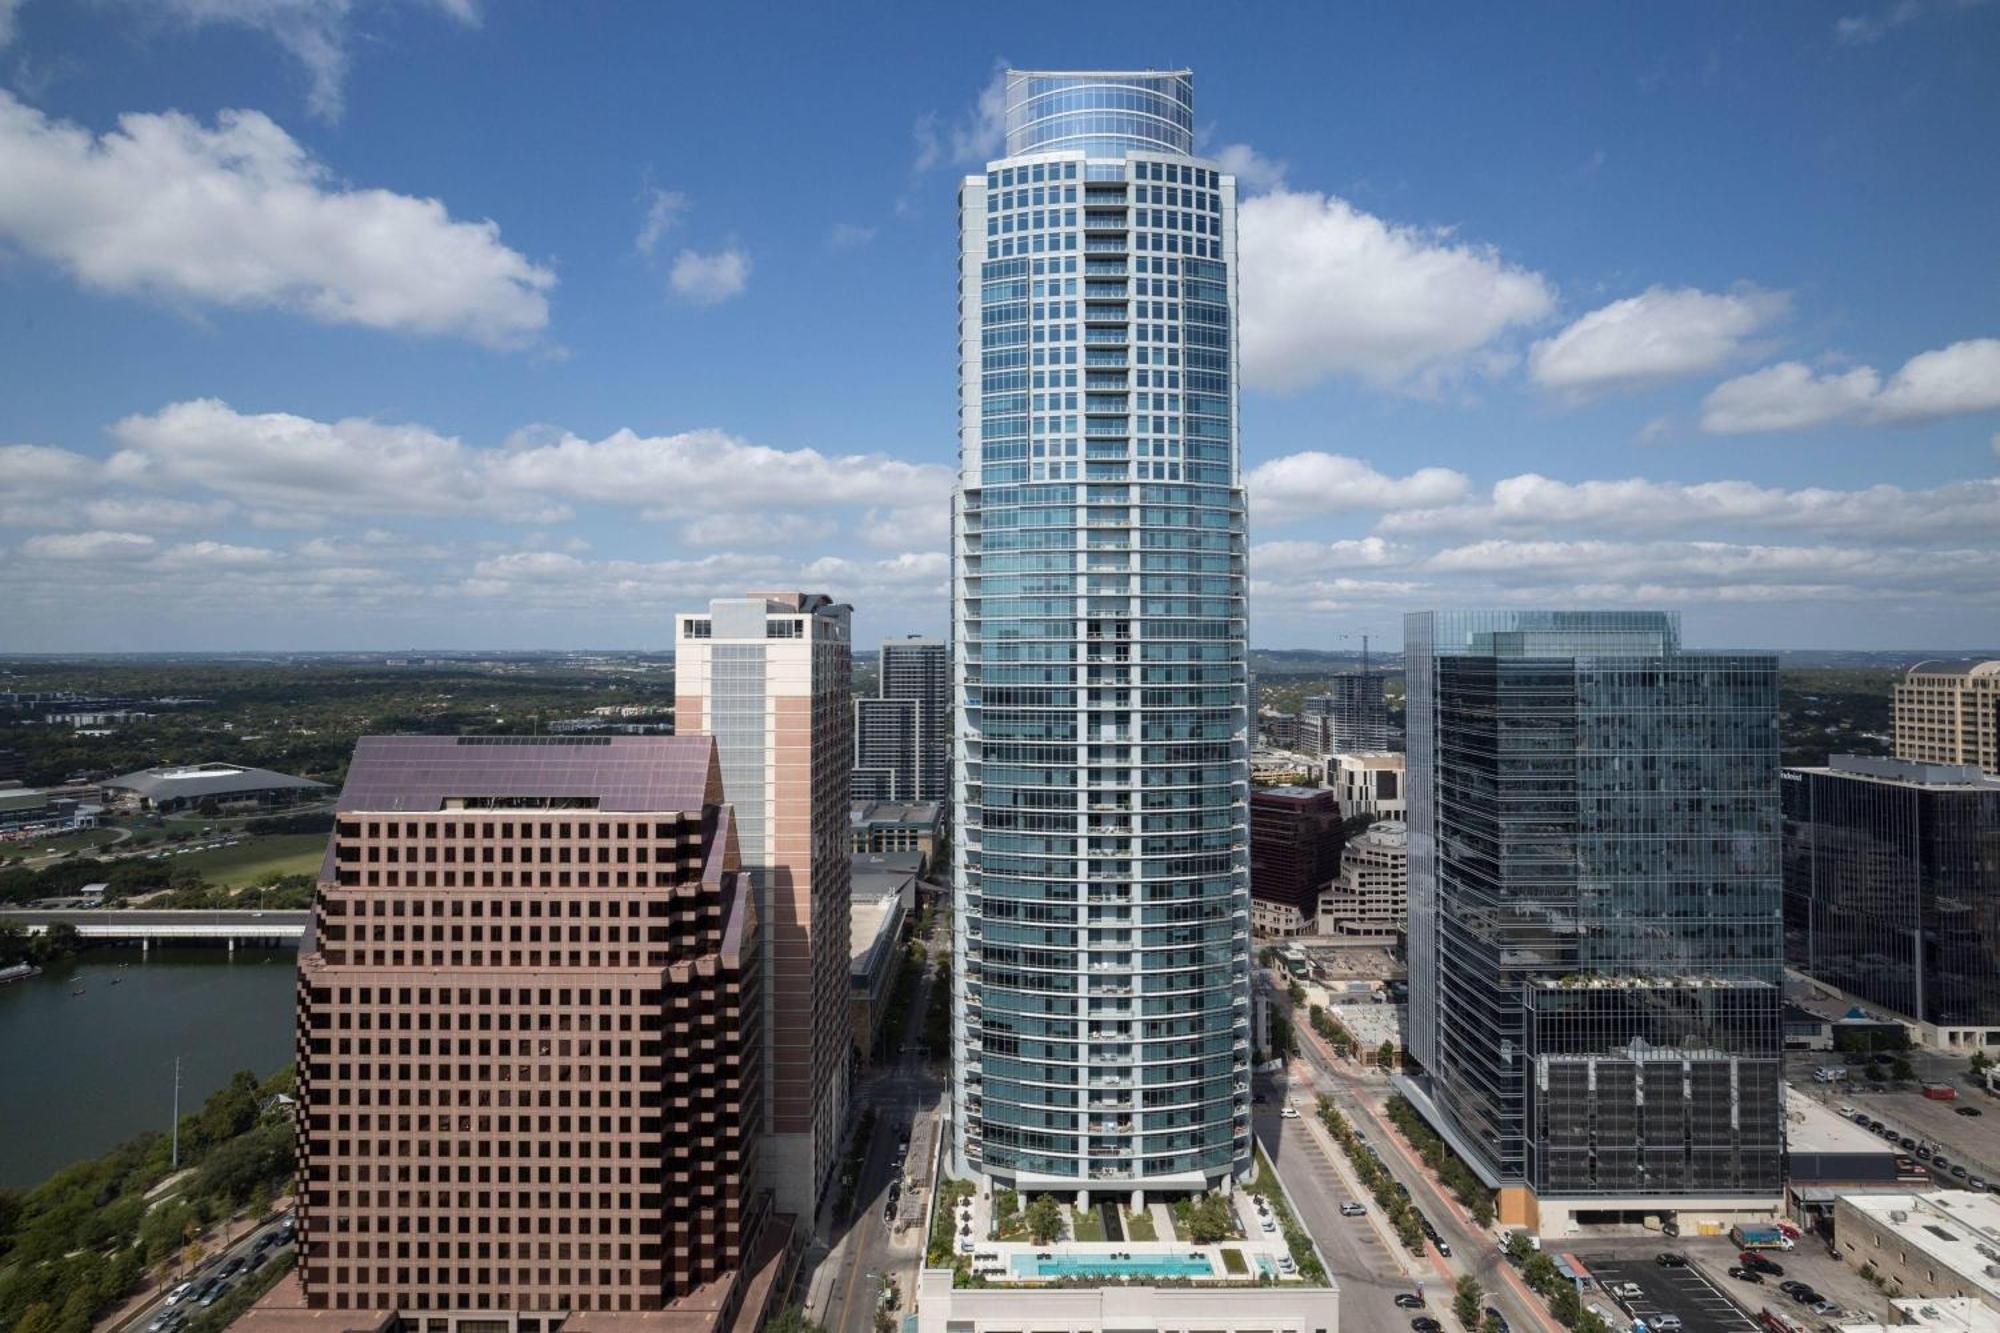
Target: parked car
[
  {"x": 1498, "y": 1320},
  {"x": 1290, "y": 1113},
  {"x": 1423, "y": 1323},
  {"x": 1827, "y": 1309},
  {"x": 1749, "y": 1275},
  {"x": 1669, "y": 1259},
  {"x": 1958, "y": 1172},
  {"x": 1409, "y": 1300},
  {"x": 1443, "y": 1246},
  {"x": 1757, "y": 1263},
  {"x": 1665, "y": 1323},
  {"x": 1977, "y": 1184},
  {"x": 1353, "y": 1209},
  {"x": 1965, "y": 1110}
]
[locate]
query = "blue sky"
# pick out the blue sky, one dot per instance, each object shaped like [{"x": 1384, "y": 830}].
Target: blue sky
[{"x": 339, "y": 323}]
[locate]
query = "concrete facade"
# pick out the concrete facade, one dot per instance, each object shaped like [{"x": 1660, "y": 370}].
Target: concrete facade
[
  {"x": 1949, "y": 713},
  {"x": 1286, "y": 1308},
  {"x": 1938, "y": 1243},
  {"x": 768, "y": 675},
  {"x": 1370, "y": 897}
]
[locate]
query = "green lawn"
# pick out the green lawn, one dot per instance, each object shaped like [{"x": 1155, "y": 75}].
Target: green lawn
[
  {"x": 1086, "y": 1224},
  {"x": 1139, "y": 1226},
  {"x": 1233, "y": 1261},
  {"x": 62, "y": 842},
  {"x": 256, "y": 860}
]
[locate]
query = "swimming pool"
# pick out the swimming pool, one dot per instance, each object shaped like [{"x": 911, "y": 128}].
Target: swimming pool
[{"x": 1105, "y": 1265}]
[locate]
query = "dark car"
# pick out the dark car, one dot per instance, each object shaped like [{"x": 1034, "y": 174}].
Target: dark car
[
  {"x": 1498, "y": 1320},
  {"x": 1957, "y": 1172},
  {"x": 1905, "y": 1142},
  {"x": 1671, "y": 1260},
  {"x": 1965, "y": 1110},
  {"x": 1443, "y": 1246},
  {"x": 1423, "y": 1323},
  {"x": 1860, "y": 1117},
  {"x": 1750, "y": 1275},
  {"x": 1757, "y": 1263},
  {"x": 217, "y": 1291},
  {"x": 1409, "y": 1300},
  {"x": 1792, "y": 1288},
  {"x": 232, "y": 1268}
]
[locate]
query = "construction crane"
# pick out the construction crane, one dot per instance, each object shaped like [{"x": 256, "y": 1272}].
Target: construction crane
[{"x": 1363, "y": 636}]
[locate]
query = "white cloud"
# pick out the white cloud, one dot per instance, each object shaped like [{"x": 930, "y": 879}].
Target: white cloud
[
  {"x": 241, "y": 216},
  {"x": 664, "y": 211},
  {"x": 906, "y": 525},
  {"x": 312, "y": 32},
  {"x": 1330, "y": 290},
  {"x": 850, "y": 236},
  {"x": 717, "y": 529},
  {"x": 1787, "y": 396},
  {"x": 708, "y": 279},
  {"x": 1861, "y": 29},
  {"x": 90, "y": 546},
  {"x": 1962, "y": 509},
  {"x": 1659, "y": 335},
  {"x": 291, "y": 465},
  {"x": 976, "y": 135},
  {"x": 211, "y": 555},
  {"x": 153, "y": 512},
  {"x": 1253, "y": 171},
  {"x": 9, "y": 10},
  {"x": 38, "y": 469},
  {"x": 1314, "y": 482},
  {"x": 697, "y": 473},
  {"x": 1950, "y": 381}
]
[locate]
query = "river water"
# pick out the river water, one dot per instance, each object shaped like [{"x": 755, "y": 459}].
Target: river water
[{"x": 81, "y": 1073}]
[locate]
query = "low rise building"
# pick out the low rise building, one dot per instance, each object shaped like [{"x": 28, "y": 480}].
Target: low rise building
[
  {"x": 1944, "y": 1314},
  {"x": 896, "y": 826},
  {"x": 1370, "y": 896},
  {"x": 174, "y": 787},
  {"x": 1949, "y": 713},
  {"x": 1943, "y": 1243},
  {"x": 884, "y": 891},
  {"x": 1368, "y": 782},
  {"x": 29, "y": 812}
]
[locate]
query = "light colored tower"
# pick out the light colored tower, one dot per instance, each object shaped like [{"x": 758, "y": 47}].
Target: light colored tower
[
  {"x": 768, "y": 675},
  {"x": 1101, "y": 764}
]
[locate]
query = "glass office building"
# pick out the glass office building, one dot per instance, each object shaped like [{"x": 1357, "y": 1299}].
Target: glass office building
[
  {"x": 1892, "y": 890},
  {"x": 1595, "y": 945},
  {"x": 1101, "y": 779}
]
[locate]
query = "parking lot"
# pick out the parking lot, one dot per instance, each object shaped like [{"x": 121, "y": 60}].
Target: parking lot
[{"x": 1686, "y": 1292}]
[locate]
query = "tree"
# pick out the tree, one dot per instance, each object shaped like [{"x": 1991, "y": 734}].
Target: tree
[
  {"x": 1295, "y": 992},
  {"x": 1466, "y": 1302},
  {"x": 1980, "y": 1062},
  {"x": 1283, "y": 1043},
  {"x": 1045, "y": 1219},
  {"x": 1491, "y": 1323},
  {"x": 1409, "y": 1230},
  {"x": 792, "y": 1319},
  {"x": 1385, "y": 1055},
  {"x": 1540, "y": 1272},
  {"x": 1208, "y": 1220}
]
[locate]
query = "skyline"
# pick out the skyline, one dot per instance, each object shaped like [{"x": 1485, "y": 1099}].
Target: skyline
[{"x": 1509, "y": 338}]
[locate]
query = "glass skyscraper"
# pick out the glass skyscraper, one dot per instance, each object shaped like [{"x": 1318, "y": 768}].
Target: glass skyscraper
[
  {"x": 1595, "y": 938},
  {"x": 1101, "y": 765},
  {"x": 1892, "y": 890}
]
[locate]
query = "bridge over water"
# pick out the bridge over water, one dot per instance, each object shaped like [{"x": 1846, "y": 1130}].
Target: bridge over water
[{"x": 146, "y": 928}]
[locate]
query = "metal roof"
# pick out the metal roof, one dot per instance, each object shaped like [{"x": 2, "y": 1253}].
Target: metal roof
[
  {"x": 196, "y": 781},
  {"x": 649, "y": 774}
]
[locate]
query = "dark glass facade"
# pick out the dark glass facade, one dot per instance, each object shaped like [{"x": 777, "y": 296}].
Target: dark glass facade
[
  {"x": 1892, "y": 887},
  {"x": 1595, "y": 946}
]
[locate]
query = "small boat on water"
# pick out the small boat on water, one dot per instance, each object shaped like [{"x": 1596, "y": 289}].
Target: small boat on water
[
  {"x": 77, "y": 991},
  {"x": 116, "y": 980}
]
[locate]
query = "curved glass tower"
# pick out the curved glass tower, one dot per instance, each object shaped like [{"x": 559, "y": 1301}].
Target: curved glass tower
[{"x": 1101, "y": 768}]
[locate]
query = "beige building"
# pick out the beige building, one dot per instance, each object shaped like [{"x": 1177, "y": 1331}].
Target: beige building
[
  {"x": 1370, "y": 897},
  {"x": 1934, "y": 1244},
  {"x": 768, "y": 675},
  {"x": 1368, "y": 783},
  {"x": 1949, "y": 713}
]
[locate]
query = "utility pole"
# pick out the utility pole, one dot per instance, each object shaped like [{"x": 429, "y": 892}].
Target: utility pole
[{"x": 177, "y": 1114}]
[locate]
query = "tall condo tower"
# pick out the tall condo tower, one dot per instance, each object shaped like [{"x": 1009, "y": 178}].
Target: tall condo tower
[
  {"x": 902, "y": 739},
  {"x": 1594, "y": 941},
  {"x": 768, "y": 676},
  {"x": 1100, "y": 862}
]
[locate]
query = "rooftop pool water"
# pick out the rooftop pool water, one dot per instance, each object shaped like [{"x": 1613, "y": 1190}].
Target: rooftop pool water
[{"x": 1104, "y": 1265}]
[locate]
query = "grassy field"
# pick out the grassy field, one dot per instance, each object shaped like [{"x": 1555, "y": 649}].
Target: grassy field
[
  {"x": 64, "y": 842},
  {"x": 258, "y": 860}
]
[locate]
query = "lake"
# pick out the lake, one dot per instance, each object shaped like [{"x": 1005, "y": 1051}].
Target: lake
[{"x": 81, "y": 1073}]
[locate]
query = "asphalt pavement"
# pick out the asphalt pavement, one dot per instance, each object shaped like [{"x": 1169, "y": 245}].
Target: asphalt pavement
[{"x": 188, "y": 1306}]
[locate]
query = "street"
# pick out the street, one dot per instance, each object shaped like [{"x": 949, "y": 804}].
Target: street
[
  {"x": 188, "y": 1306},
  {"x": 1360, "y": 1096},
  {"x": 861, "y": 1249}
]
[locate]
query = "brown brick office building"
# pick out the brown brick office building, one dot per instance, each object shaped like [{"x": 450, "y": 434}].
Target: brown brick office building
[{"x": 529, "y": 1045}]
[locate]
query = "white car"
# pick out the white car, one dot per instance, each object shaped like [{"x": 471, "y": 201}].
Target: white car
[
  {"x": 179, "y": 1294},
  {"x": 1290, "y": 1113}
]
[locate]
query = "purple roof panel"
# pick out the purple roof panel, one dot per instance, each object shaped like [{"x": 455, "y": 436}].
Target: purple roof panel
[{"x": 638, "y": 774}]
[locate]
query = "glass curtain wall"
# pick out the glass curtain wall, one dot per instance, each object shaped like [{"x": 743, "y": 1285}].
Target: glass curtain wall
[{"x": 1101, "y": 1034}]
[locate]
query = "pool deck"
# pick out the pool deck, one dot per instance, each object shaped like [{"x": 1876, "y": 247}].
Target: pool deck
[{"x": 995, "y": 1259}]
